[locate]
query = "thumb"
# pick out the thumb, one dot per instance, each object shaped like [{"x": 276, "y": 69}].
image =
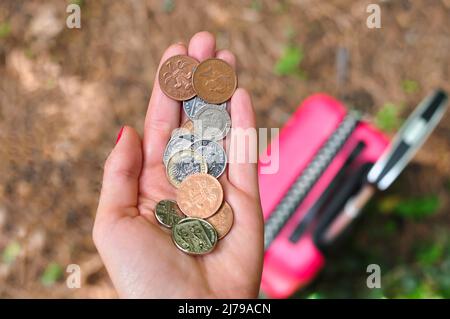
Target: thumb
[{"x": 120, "y": 186}]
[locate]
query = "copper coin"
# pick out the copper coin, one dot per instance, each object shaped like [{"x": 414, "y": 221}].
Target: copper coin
[
  {"x": 214, "y": 81},
  {"x": 199, "y": 195},
  {"x": 175, "y": 77},
  {"x": 222, "y": 220},
  {"x": 188, "y": 125}
]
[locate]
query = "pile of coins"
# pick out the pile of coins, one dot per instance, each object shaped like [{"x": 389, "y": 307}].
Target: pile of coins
[{"x": 194, "y": 157}]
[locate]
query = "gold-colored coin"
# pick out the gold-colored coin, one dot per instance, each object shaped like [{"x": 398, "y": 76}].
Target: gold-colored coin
[
  {"x": 175, "y": 77},
  {"x": 222, "y": 220},
  {"x": 214, "y": 80},
  {"x": 194, "y": 236},
  {"x": 183, "y": 164},
  {"x": 199, "y": 195},
  {"x": 167, "y": 213}
]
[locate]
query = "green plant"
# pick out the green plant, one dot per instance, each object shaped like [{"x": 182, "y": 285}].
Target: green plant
[
  {"x": 256, "y": 5},
  {"x": 414, "y": 208},
  {"x": 417, "y": 208},
  {"x": 388, "y": 117},
  {"x": 315, "y": 295},
  {"x": 281, "y": 7},
  {"x": 5, "y": 29},
  {"x": 77, "y": 2},
  {"x": 430, "y": 254},
  {"x": 168, "y": 6},
  {"x": 390, "y": 227},
  {"x": 421, "y": 291},
  {"x": 410, "y": 86},
  {"x": 289, "y": 62},
  {"x": 52, "y": 273},
  {"x": 11, "y": 252},
  {"x": 388, "y": 203}
]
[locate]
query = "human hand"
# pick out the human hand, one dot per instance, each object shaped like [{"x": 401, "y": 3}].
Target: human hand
[{"x": 138, "y": 253}]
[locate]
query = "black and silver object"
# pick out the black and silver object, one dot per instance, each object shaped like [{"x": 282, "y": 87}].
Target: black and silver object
[
  {"x": 327, "y": 196},
  {"x": 405, "y": 144},
  {"x": 307, "y": 179},
  {"x": 408, "y": 140},
  {"x": 326, "y": 223}
]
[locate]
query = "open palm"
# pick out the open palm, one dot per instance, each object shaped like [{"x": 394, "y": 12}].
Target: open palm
[{"x": 139, "y": 255}]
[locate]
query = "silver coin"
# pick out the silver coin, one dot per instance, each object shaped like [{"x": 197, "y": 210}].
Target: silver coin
[
  {"x": 176, "y": 144},
  {"x": 179, "y": 131},
  {"x": 213, "y": 154},
  {"x": 192, "y": 106},
  {"x": 194, "y": 236},
  {"x": 167, "y": 213},
  {"x": 212, "y": 123},
  {"x": 184, "y": 163}
]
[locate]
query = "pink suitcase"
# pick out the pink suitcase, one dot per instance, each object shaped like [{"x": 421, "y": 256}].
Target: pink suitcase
[{"x": 289, "y": 265}]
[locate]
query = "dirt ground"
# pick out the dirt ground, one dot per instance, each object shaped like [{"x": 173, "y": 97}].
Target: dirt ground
[{"x": 65, "y": 93}]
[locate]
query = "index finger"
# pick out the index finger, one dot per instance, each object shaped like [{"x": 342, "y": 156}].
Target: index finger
[{"x": 163, "y": 115}]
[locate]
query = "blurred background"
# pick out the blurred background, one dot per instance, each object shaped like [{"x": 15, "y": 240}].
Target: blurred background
[{"x": 65, "y": 93}]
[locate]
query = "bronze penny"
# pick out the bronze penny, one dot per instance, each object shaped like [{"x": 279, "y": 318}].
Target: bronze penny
[
  {"x": 175, "y": 77},
  {"x": 189, "y": 126},
  {"x": 222, "y": 220},
  {"x": 214, "y": 81},
  {"x": 199, "y": 195}
]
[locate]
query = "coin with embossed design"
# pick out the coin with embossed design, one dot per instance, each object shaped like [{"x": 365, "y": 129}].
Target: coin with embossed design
[
  {"x": 183, "y": 164},
  {"x": 212, "y": 123},
  {"x": 222, "y": 220},
  {"x": 175, "y": 77},
  {"x": 178, "y": 142},
  {"x": 192, "y": 106},
  {"x": 214, "y": 155},
  {"x": 214, "y": 80},
  {"x": 199, "y": 195},
  {"x": 194, "y": 236},
  {"x": 167, "y": 213},
  {"x": 179, "y": 131}
]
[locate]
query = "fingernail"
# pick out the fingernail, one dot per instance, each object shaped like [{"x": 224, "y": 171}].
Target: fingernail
[{"x": 120, "y": 134}]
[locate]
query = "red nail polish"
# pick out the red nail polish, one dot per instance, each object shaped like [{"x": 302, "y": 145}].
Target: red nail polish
[{"x": 120, "y": 134}]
